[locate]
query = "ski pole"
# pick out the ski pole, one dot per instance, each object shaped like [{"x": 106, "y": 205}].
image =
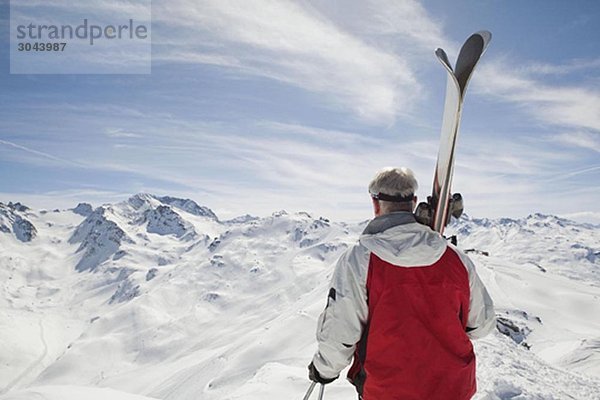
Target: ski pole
[
  {"x": 311, "y": 388},
  {"x": 309, "y": 391}
]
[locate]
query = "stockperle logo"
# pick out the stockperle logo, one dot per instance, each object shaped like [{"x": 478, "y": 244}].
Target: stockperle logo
[{"x": 75, "y": 37}]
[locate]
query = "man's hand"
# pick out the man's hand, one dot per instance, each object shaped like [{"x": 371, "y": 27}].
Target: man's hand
[{"x": 314, "y": 375}]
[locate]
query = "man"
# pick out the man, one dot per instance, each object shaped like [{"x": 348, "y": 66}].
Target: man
[{"x": 404, "y": 304}]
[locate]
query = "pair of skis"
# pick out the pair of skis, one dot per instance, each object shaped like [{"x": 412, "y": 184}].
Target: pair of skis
[{"x": 442, "y": 204}]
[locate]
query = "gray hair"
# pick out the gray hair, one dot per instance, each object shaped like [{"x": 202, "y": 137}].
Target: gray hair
[{"x": 394, "y": 182}]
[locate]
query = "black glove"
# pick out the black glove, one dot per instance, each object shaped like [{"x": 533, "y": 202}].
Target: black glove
[
  {"x": 456, "y": 205},
  {"x": 314, "y": 375},
  {"x": 424, "y": 213}
]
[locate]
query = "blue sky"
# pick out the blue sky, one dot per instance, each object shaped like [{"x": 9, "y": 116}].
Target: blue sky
[{"x": 256, "y": 106}]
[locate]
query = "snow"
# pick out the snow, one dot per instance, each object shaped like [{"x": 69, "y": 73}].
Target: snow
[
  {"x": 156, "y": 298},
  {"x": 73, "y": 393}
]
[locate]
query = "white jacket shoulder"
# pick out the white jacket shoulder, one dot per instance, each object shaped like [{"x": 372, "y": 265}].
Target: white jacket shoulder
[{"x": 482, "y": 318}]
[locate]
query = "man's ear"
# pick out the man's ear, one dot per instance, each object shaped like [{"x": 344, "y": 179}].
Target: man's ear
[{"x": 376, "y": 207}]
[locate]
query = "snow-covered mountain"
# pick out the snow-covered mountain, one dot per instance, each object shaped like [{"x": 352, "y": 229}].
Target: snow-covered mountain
[
  {"x": 156, "y": 297},
  {"x": 13, "y": 219}
]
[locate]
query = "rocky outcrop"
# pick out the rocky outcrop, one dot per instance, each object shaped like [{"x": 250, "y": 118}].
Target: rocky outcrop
[
  {"x": 189, "y": 206},
  {"x": 163, "y": 220},
  {"x": 99, "y": 237},
  {"x": 12, "y": 222},
  {"x": 83, "y": 209}
]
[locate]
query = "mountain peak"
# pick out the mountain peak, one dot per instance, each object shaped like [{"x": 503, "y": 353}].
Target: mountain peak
[
  {"x": 83, "y": 209},
  {"x": 242, "y": 219},
  {"x": 141, "y": 200},
  {"x": 18, "y": 206},
  {"x": 188, "y": 205}
]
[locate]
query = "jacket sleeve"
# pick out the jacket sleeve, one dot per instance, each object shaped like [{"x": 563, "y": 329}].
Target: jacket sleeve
[
  {"x": 482, "y": 318},
  {"x": 341, "y": 323}
]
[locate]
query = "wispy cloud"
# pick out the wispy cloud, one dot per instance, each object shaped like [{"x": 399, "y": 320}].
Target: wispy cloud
[
  {"x": 573, "y": 66},
  {"x": 571, "y": 174},
  {"x": 571, "y": 106},
  {"x": 288, "y": 166},
  {"x": 307, "y": 46},
  {"x": 109, "y": 8},
  {"x": 585, "y": 140},
  {"x": 285, "y": 167},
  {"x": 589, "y": 217},
  {"x": 327, "y": 136},
  {"x": 121, "y": 133},
  {"x": 40, "y": 154},
  {"x": 406, "y": 24},
  {"x": 282, "y": 166}
]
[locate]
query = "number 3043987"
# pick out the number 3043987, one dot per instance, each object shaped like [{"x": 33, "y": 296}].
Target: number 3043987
[{"x": 37, "y": 46}]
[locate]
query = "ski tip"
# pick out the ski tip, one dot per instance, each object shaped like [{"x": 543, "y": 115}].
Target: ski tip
[
  {"x": 486, "y": 36},
  {"x": 443, "y": 58}
]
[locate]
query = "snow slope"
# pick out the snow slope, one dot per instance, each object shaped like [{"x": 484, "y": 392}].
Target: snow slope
[{"x": 157, "y": 297}]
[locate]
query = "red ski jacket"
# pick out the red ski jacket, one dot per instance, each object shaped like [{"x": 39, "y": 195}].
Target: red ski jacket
[{"x": 404, "y": 305}]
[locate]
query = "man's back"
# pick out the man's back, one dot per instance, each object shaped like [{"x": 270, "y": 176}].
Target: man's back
[
  {"x": 402, "y": 303},
  {"x": 415, "y": 345}
]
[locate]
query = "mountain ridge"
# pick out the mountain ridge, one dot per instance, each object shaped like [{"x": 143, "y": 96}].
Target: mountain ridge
[{"x": 233, "y": 303}]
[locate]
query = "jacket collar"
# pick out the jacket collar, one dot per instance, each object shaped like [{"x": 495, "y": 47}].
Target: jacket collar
[{"x": 387, "y": 221}]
